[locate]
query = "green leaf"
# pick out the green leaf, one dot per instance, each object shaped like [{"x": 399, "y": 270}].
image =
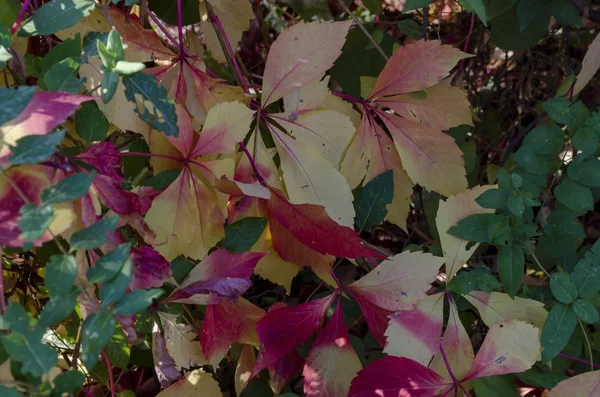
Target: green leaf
[
  {"x": 59, "y": 308},
  {"x": 471, "y": 280},
  {"x": 563, "y": 288},
  {"x": 581, "y": 115},
  {"x": 10, "y": 10},
  {"x": 69, "y": 189},
  {"x": 33, "y": 149},
  {"x": 109, "y": 58},
  {"x": 110, "y": 82},
  {"x": 36, "y": 358},
  {"x": 505, "y": 29},
  {"x": 158, "y": 110},
  {"x": 113, "y": 290},
  {"x": 574, "y": 196},
  {"x": 60, "y": 276},
  {"x": 108, "y": 266},
  {"x": 511, "y": 267},
  {"x": 34, "y": 221},
  {"x": 586, "y": 275},
  {"x": 56, "y": 15},
  {"x": 70, "y": 48},
  {"x": 529, "y": 12},
  {"x": 240, "y": 236},
  {"x": 371, "y": 203},
  {"x": 515, "y": 204},
  {"x": 586, "y": 140},
  {"x": 6, "y": 391},
  {"x": 495, "y": 386},
  {"x": 536, "y": 378},
  {"x": 61, "y": 77},
  {"x": 586, "y": 311},
  {"x": 560, "y": 234},
  {"x": 545, "y": 139},
  {"x": 114, "y": 45},
  {"x": 69, "y": 382},
  {"x": 128, "y": 68},
  {"x": 163, "y": 179},
  {"x": 414, "y": 4},
  {"x": 558, "y": 328},
  {"x": 15, "y": 318},
  {"x": 493, "y": 198},
  {"x": 167, "y": 11},
  {"x": 585, "y": 172},
  {"x": 481, "y": 228},
  {"x": 532, "y": 162},
  {"x": 559, "y": 110},
  {"x": 478, "y": 7},
  {"x": 98, "y": 329},
  {"x": 94, "y": 236},
  {"x": 136, "y": 301},
  {"x": 5, "y": 45},
  {"x": 410, "y": 28},
  {"x": 90, "y": 122},
  {"x": 14, "y": 101},
  {"x": 565, "y": 12},
  {"x": 118, "y": 349}
]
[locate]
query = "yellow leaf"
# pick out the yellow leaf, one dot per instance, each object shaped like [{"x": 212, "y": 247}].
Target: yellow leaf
[
  {"x": 442, "y": 108},
  {"x": 497, "y": 306},
  {"x": 450, "y": 212},
  {"x": 430, "y": 157},
  {"x": 366, "y": 85},
  {"x": 196, "y": 383},
  {"x": 235, "y": 16},
  {"x": 243, "y": 370},
  {"x": 180, "y": 341},
  {"x": 308, "y": 97},
  {"x": 310, "y": 178}
]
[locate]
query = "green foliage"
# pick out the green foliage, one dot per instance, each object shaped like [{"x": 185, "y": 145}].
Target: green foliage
[
  {"x": 69, "y": 189},
  {"x": 371, "y": 202},
  {"x": 95, "y": 235},
  {"x": 34, "y": 149},
  {"x": 56, "y": 15},
  {"x": 240, "y": 236},
  {"x": 136, "y": 301},
  {"x": 511, "y": 266},
  {"x": 14, "y": 101},
  {"x": 475, "y": 279},
  {"x": 98, "y": 329}
]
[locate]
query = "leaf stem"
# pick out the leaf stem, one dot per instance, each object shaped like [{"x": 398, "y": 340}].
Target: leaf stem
[
  {"x": 261, "y": 180},
  {"x": 180, "y": 26},
  {"x": 364, "y": 30},
  {"x": 537, "y": 261},
  {"x": 2, "y": 299},
  {"x": 111, "y": 378},
  {"x": 163, "y": 29},
  {"x": 588, "y": 344},
  {"x": 226, "y": 46},
  {"x": 20, "y": 17},
  {"x": 579, "y": 360}
]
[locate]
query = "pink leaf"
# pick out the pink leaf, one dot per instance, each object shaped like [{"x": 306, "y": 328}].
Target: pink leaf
[
  {"x": 45, "y": 111},
  {"x": 150, "y": 269},
  {"x": 415, "y": 67},
  {"x": 416, "y": 334},
  {"x": 583, "y": 385},
  {"x": 332, "y": 362},
  {"x": 104, "y": 157},
  {"x": 395, "y": 377},
  {"x": 510, "y": 346},
  {"x": 228, "y": 323},
  {"x": 300, "y": 55},
  {"x": 281, "y": 330},
  {"x": 311, "y": 225},
  {"x": 376, "y": 317},
  {"x": 164, "y": 365},
  {"x": 284, "y": 369}
]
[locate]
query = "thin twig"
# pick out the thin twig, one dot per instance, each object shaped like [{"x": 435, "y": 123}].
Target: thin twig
[
  {"x": 579, "y": 360},
  {"x": 163, "y": 29},
  {"x": 227, "y": 49},
  {"x": 2, "y": 299},
  {"x": 77, "y": 347},
  {"x": 20, "y": 17},
  {"x": 111, "y": 378},
  {"x": 364, "y": 30},
  {"x": 537, "y": 261},
  {"x": 588, "y": 344}
]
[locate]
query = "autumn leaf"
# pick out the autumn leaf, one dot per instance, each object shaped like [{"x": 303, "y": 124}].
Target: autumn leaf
[
  {"x": 194, "y": 382},
  {"x": 497, "y": 306},
  {"x": 585, "y": 384},
  {"x": 243, "y": 369},
  {"x": 294, "y": 60},
  {"x": 332, "y": 362},
  {"x": 180, "y": 343},
  {"x": 282, "y": 329}
]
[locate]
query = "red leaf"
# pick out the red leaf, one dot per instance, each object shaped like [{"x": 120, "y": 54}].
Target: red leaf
[
  {"x": 394, "y": 376},
  {"x": 376, "y": 317},
  {"x": 150, "y": 269},
  {"x": 311, "y": 225},
  {"x": 281, "y": 330},
  {"x": 284, "y": 369}
]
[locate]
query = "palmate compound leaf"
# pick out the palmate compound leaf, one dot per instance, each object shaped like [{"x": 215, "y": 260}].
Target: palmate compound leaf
[
  {"x": 45, "y": 111},
  {"x": 450, "y": 212},
  {"x": 186, "y": 215},
  {"x": 300, "y": 55},
  {"x": 586, "y": 384},
  {"x": 332, "y": 362},
  {"x": 196, "y": 382},
  {"x": 282, "y": 329},
  {"x": 510, "y": 346},
  {"x": 227, "y": 323}
]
